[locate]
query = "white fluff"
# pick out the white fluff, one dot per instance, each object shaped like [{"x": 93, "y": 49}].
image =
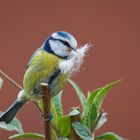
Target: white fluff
[
  {"x": 58, "y": 48},
  {"x": 74, "y": 61}
]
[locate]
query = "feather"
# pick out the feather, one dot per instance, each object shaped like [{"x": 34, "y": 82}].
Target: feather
[
  {"x": 10, "y": 113},
  {"x": 73, "y": 63}
]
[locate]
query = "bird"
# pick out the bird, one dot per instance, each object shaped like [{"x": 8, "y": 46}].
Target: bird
[{"x": 52, "y": 63}]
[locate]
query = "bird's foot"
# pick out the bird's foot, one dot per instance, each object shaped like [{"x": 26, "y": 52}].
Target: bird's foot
[{"x": 46, "y": 119}]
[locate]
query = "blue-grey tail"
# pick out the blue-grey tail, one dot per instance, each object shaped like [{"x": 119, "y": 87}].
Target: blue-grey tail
[{"x": 11, "y": 112}]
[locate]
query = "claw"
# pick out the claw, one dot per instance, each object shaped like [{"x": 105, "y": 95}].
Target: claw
[{"x": 46, "y": 119}]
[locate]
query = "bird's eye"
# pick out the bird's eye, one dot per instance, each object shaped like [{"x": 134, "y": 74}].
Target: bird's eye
[{"x": 69, "y": 49}]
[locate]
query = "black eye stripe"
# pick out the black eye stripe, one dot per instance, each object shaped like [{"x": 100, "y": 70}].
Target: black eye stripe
[
  {"x": 65, "y": 43},
  {"x": 62, "y": 41}
]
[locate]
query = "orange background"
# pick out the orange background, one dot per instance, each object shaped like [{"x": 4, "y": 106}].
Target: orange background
[{"x": 113, "y": 26}]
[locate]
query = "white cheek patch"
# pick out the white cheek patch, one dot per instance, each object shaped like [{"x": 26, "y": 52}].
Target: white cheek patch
[
  {"x": 73, "y": 63},
  {"x": 71, "y": 39},
  {"x": 58, "y": 48}
]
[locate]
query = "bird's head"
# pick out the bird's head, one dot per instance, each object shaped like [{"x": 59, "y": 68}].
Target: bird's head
[{"x": 61, "y": 44}]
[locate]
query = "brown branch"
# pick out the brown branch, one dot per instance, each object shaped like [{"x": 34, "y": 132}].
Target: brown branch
[
  {"x": 46, "y": 108},
  {"x": 11, "y": 80}
]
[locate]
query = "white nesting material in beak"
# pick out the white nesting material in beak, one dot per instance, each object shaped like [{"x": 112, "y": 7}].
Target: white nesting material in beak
[{"x": 73, "y": 63}]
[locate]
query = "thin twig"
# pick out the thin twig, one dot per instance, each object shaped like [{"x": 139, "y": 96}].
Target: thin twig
[
  {"x": 37, "y": 106},
  {"x": 46, "y": 108},
  {"x": 11, "y": 80},
  {"x": 15, "y": 84}
]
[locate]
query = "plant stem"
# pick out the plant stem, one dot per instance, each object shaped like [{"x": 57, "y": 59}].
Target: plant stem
[
  {"x": 11, "y": 80},
  {"x": 46, "y": 108}
]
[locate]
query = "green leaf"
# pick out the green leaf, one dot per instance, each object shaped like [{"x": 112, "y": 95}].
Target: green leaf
[
  {"x": 27, "y": 135},
  {"x": 92, "y": 95},
  {"x": 102, "y": 120},
  {"x": 60, "y": 138},
  {"x": 80, "y": 94},
  {"x": 82, "y": 99},
  {"x": 92, "y": 112},
  {"x": 57, "y": 105},
  {"x": 15, "y": 125},
  {"x": 92, "y": 116},
  {"x": 74, "y": 112},
  {"x": 64, "y": 126},
  {"x": 54, "y": 134},
  {"x": 1, "y": 83},
  {"x": 55, "y": 116},
  {"x": 98, "y": 99},
  {"x": 56, "y": 108},
  {"x": 109, "y": 136},
  {"x": 65, "y": 139},
  {"x": 82, "y": 131},
  {"x": 94, "y": 102}
]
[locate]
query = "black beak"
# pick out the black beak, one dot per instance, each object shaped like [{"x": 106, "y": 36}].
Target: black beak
[{"x": 74, "y": 49}]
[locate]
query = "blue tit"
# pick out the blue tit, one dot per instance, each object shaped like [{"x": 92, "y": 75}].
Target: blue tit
[{"x": 53, "y": 63}]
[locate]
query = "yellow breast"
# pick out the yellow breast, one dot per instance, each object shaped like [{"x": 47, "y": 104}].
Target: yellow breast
[{"x": 40, "y": 69}]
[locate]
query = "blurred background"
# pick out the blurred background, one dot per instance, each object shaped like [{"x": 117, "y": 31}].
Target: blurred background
[{"x": 113, "y": 26}]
